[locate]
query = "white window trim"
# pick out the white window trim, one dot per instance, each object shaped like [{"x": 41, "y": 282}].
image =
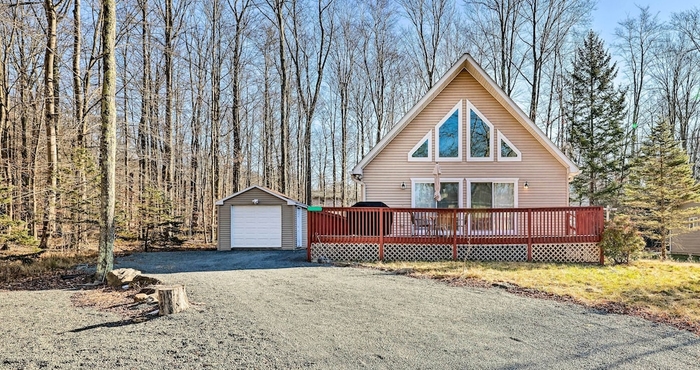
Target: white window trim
[
  {"x": 428, "y": 137},
  {"x": 514, "y": 181},
  {"x": 693, "y": 222},
  {"x": 471, "y": 107},
  {"x": 430, "y": 180},
  {"x": 515, "y": 149},
  {"x": 460, "y": 128}
]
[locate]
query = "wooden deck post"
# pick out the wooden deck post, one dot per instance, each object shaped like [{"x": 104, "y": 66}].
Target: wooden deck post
[
  {"x": 309, "y": 229},
  {"x": 381, "y": 234},
  {"x": 454, "y": 234},
  {"x": 529, "y": 235}
]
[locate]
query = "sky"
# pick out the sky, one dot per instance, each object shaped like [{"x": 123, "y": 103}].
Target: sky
[{"x": 609, "y": 12}]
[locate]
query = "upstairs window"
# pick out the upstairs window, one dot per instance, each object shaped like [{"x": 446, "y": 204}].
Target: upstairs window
[
  {"x": 421, "y": 152},
  {"x": 480, "y": 134},
  {"x": 506, "y": 150},
  {"x": 448, "y": 135}
]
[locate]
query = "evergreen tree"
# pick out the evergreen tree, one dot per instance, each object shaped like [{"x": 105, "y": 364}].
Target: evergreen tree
[
  {"x": 597, "y": 109},
  {"x": 661, "y": 187}
]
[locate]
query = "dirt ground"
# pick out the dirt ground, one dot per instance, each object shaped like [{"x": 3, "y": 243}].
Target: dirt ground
[{"x": 258, "y": 309}]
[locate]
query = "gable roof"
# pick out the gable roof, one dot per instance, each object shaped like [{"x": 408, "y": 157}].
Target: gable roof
[
  {"x": 290, "y": 201},
  {"x": 466, "y": 62}
]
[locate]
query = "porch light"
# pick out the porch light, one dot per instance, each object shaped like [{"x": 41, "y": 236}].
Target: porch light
[
  {"x": 403, "y": 186},
  {"x": 526, "y": 185},
  {"x": 255, "y": 201}
]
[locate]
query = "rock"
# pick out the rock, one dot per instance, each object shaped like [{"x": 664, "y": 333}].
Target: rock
[
  {"x": 140, "y": 297},
  {"x": 148, "y": 290},
  {"x": 119, "y": 277},
  {"x": 143, "y": 280}
]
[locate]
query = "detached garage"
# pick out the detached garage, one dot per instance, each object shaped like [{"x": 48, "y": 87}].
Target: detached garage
[{"x": 258, "y": 217}]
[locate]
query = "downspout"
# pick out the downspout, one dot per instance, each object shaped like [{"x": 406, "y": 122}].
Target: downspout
[{"x": 357, "y": 177}]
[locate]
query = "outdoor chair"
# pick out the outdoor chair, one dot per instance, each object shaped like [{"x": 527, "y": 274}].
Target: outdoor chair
[{"x": 422, "y": 223}]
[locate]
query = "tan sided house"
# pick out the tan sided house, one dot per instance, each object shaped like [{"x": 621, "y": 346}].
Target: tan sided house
[
  {"x": 502, "y": 187},
  {"x": 258, "y": 217},
  {"x": 491, "y": 155}
]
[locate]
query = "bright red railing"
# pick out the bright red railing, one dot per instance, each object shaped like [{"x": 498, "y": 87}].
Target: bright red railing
[{"x": 455, "y": 226}]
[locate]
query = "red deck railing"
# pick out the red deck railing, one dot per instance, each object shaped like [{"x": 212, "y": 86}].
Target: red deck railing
[{"x": 455, "y": 226}]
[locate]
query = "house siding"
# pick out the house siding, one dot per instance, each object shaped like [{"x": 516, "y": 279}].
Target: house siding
[
  {"x": 546, "y": 176},
  {"x": 688, "y": 243},
  {"x": 246, "y": 199}
]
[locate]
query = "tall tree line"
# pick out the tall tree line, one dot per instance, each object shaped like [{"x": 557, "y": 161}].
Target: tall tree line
[{"x": 216, "y": 95}]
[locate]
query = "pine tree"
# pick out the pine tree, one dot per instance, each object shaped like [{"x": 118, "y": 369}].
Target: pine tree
[
  {"x": 597, "y": 109},
  {"x": 661, "y": 186}
]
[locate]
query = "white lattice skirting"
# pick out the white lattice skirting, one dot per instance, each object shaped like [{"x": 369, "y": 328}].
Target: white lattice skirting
[
  {"x": 345, "y": 252},
  {"x": 575, "y": 252},
  {"x": 413, "y": 252}
]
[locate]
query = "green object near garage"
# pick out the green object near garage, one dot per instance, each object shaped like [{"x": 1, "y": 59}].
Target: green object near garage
[{"x": 314, "y": 209}]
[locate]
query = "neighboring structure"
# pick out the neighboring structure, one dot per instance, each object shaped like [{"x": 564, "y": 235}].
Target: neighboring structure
[
  {"x": 490, "y": 153},
  {"x": 258, "y": 217},
  {"x": 689, "y": 242}
]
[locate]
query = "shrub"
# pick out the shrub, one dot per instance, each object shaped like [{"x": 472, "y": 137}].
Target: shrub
[{"x": 621, "y": 241}]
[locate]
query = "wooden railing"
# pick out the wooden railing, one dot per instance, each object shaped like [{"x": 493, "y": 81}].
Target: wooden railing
[{"x": 455, "y": 226}]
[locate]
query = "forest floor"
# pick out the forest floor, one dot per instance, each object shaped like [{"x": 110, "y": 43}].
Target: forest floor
[{"x": 258, "y": 309}]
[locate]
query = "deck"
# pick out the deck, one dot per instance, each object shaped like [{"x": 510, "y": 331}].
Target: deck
[{"x": 566, "y": 234}]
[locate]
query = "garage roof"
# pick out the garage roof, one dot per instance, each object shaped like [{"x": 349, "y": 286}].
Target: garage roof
[{"x": 285, "y": 198}]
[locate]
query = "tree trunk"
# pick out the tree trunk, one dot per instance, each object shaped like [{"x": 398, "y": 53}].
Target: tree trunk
[
  {"x": 108, "y": 148},
  {"x": 51, "y": 117},
  {"x": 172, "y": 299}
]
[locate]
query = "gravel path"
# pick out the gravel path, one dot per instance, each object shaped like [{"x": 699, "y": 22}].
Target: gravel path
[{"x": 273, "y": 310}]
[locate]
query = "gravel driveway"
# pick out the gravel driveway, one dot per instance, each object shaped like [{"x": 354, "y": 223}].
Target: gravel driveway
[{"x": 273, "y": 310}]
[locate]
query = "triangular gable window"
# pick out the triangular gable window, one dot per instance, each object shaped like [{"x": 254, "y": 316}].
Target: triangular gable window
[
  {"x": 448, "y": 135},
  {"x": 422, "y": 151},
  {"x": 506, "y": 150},
  {"x": 480, "y": 142}
]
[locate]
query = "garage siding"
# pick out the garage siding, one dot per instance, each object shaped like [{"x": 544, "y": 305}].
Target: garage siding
[{"x": 246, "y": 199}]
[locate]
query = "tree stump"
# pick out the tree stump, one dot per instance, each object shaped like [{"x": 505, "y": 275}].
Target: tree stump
[{"x": 172, "y": 299}]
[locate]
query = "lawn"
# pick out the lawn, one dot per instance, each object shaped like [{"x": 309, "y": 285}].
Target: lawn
[{"x": 669, "y": 290}]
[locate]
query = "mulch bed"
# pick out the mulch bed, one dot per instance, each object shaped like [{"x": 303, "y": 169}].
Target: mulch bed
[
  {"x": 88, "y": 294},
  {"x": 119, "y": 301}
]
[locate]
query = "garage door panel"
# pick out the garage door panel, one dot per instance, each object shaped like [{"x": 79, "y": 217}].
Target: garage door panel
[{"x": 256, "y": 227}]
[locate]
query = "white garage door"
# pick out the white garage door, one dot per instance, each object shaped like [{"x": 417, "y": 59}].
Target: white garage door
[{"x": 256, "y": 226}]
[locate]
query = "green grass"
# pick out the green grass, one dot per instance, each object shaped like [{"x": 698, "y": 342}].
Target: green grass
[{"x": 658, "y": 287}]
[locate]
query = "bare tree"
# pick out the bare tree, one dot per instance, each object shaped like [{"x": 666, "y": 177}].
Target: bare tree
[
  {"x": 240, "y": 10},
  {"x": 108, "y": 141},
  {"x": 637, "y": 39},
  {"x": 310, "y": 51},
  {"x": 51, "y": 122},
  {"x": 547, "y": 25},
  {"x": 430, "y": 19},
  {"x": 497, "y": 24}
]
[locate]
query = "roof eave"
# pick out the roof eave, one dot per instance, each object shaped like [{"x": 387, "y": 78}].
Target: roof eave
[{"x": 417, "y": 108}]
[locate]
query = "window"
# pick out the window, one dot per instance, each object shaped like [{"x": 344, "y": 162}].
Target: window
[
  {"x": 448, "y": 135},
  {"x": 487, "y": 194},
  {"x": 480, "y": 134},
  {"x": 693, "y": 222},
  {"x": 421, "y": 152},
  {"x": 492, "y": 193},
  {"x": 506, "y": 150},
  {"x": 423, "y": 193}
]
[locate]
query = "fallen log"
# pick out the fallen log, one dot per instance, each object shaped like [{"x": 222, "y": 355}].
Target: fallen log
[
  {"x": 25, "y": 258},
  {"x": 172, "y": 299}
]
